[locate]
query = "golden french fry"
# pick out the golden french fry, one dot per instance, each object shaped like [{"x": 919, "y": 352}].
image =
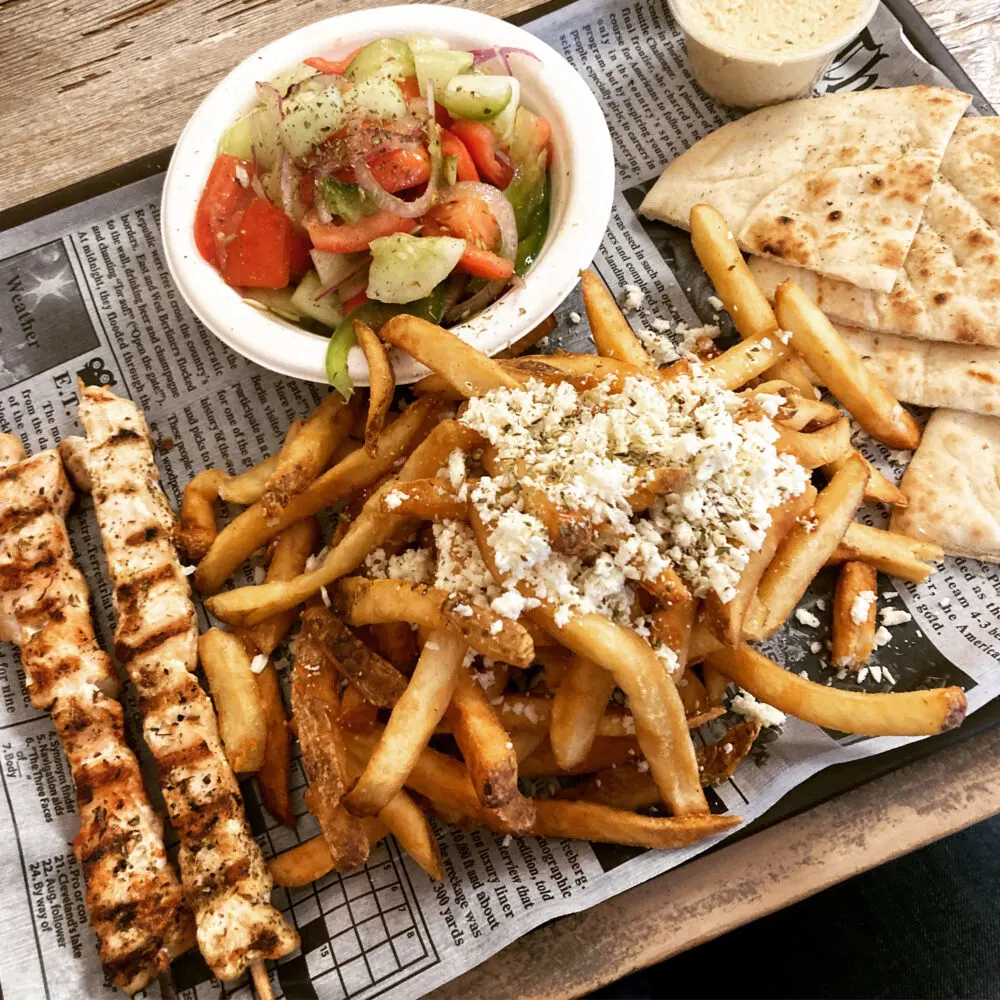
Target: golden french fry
[
  {"x": 900, "y": 713},
  {"x": 745, "y": 361},
  {"x": 532, "y": 337},
  {"x": 605, "y": 752},
  {"x": 569, "y": 531},
  {"x": 589, "y": 821},
  {"x": 469, "y": 371},
  {"x": 381, "y": 382},
  {"x": 292, "y": 549},
  {"x": 311, "y": 860},
  {"x": 725, "y": 620},
  {"x": 842, "y": 371},
  {"x": 889, "y": 552},
  {"x": 746, "y": 304},
  {"x": 584, "y": 371},
  {"x": 798, "y": 411},
  {"x": 488, "y": 753},
  {"x": 804, "y": 550},
  {"x": 365, "y": 602},
  {"x": 657, "y": 483},
  {"x": 242, "y": 722},
  {"x": 577, "y": 708},
  {"x": 379, "y": 682},
  {"x": 315, "y": 707},
  {"x": 660, "y": 722},
  {"x": 692, "y": 692},
  {"x": 878, "y": 487},
  {"x": 671, "y": 625},
  {"x": 411, "y": 724},
  {"x": 248, "y": 487},
  {"x": 397, "y": 642},
  {"x": 425, "y": 499},
  {"x": 828, "y": 444},
  {"x": 608, "y": 326},
  {"x": 369, "y": 529},
  {"x": 715, "y": 684},
  {"x": 274, "y": 774},
  {"x": 198, "y": 528},
  {"x": 254, "y": 526},
  {"x": 356, "y": 713},
  {"x": 854, "y": 603}
]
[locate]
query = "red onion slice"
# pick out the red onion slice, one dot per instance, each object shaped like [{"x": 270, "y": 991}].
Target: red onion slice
[
  {"x": 270, "y": 97},
  {"x": 363, "y": 265},
  {"x": 480, "y": 56},
  {"x": 498, "y": 204},
  {"x": 484, "y": 297},
  {"x": 288, "y": 180}
]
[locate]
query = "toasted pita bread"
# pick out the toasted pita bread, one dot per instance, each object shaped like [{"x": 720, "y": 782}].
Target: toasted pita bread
[
  {"x": 836, "y": 184},
  {"x": 949, "y": 286},
  {"x": 926, "y": 373},
  {"x": 953, "y": 484}
]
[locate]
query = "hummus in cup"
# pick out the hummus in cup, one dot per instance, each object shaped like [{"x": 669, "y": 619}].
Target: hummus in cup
[{"x": 748, "y": 53}]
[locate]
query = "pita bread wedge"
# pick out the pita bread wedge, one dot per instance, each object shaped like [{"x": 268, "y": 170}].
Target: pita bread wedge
[
  {"x": 953, "y": 485},
  {"x": 836, "y": 184},
  {"x": 927, "y": 373},
  {"x": 949, "y": 286}
]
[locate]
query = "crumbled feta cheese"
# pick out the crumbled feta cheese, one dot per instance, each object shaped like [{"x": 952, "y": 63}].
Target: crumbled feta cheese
[
  {"x": 887, "y": 677},
  {"x": 815, "y": 647},
  {"x": 862, "y": 674},
  {"x": 785, "y": 336},
  {"x": 821, "y": 604},
  {"x": 861, "y": 606},
  {"x": 882, "y": 636},
  {"x": 766, "y": 343},
  {"x": 324, "y": 593},
  {"x": 715, "y": 302},
  {"x": 634, "y": 298},
  {"x": 188, "y": 570},
  {"x": 727, "y": 748},
  {"x": 806, "y": 618},
  {"x": 395, "y": 499},
  {"x": 456, "y": 468},
  {"x": 506, "y": 840},
  {"x": 575, "y": 317},
  {"x": 770, "y": 402},
  {"x": 258, "y": 663},
  {"x": 757, "y": 711},
  {"x": 431, "y": 645},
  {"x": 259, "y": 575},
  {"x": 497, "y": 627},
  {"x": 889, "y": 595},
  {"x": 894, "y": 616},
  {"x": 642, "y": 766},
  {"x": 462, "y": 610},
  {"x": 691, "y": 335},
  {"x": 659, "y": 347},
  {"x": 876, "y": 671},
  {"x": 415, "y": 565},
  {"x": 660, "y": 325}
]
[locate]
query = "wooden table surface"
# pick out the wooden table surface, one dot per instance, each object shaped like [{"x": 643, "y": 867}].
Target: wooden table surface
[{"x": 85, "y": 87}]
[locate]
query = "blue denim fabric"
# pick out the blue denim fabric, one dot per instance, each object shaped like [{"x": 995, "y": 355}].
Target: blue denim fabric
[{"x": 924, "y": 926}]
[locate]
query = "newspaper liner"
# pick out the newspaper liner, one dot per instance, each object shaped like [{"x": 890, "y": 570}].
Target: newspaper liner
[{"x": 85, "y": 294}]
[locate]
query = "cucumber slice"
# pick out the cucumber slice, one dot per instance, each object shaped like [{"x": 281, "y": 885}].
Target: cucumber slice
[
  {"x": 284, "y": 81},
  {"x": 237, "y": 140},
  {"x": 311, "y": 117},
  {"x": 380, "y": 97},
  {"x": 277, "y": 301},
  {"x": 265, "y": 139},
  {"x": 503, "y": 125},
  {"x": 334, "y": 267},
  {"x": 386, "y": 57},
  {"x": 325, "y": 310},
  {"x": 425, "y": 43},
  {"x": 440, "y": 66},
  {"x": 450, "y": 169},
  {"x": 478, "y": 98},
  {"x": 406, "y": 268}
]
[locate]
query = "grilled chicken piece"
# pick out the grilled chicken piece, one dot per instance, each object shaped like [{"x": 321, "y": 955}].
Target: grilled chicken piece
[
  {"x": 225, "y": 879},
  {"x": 134, "y": 898}
]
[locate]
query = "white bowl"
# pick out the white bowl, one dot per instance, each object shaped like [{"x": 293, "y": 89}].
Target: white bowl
[{"x": 582, "y": 174}]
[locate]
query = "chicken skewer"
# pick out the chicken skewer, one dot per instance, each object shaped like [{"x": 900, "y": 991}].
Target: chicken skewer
[
  {"x": 225, "y": 878},
  {"x": 134, "y": 898}
]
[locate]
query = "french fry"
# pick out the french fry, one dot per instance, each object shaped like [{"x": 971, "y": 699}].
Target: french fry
[
  {"x": 198, "y": 528},
  {"x": 889, "y": 552},
  {"x": 657, "y": 483},
  {"x": 745, "y": 361},
  {"x": 248, "y": 487},
  {"x": 804, "y": 550},
  {"x": 356, "y": 713},
  {"x": 853, "y": 631},
  {"x": 242, "y": 722},
  {"x": 715, "y": 684},
  {"x": 821, "y": 447},
  {"x": 584, "y": 371},
  {"x": 725, "y": 620},
  {"x": 365, "y": 602},
  {"x": 671, "y": 625},
  {"x": 371, "y": 528},
  {"x": 608, "y": 326},
  {"x": 378, "y": 681},
  {"x": 746, "y": 304},
  {"x": 381, "y": 382},
  {"x": 692, "y": 692},
  {"x": 309, "y": 453},
  {"x": 488, "y": 753},
  {"x": 315, "y": 707},
  {"x": 469, "y": 371},
  {"x": 311, "y": 860},
  {"x": 597, "y": 823},
  {"x": 580, "y": 701},
  {"x": 411, "y": 724},
  {"x": 842, "y": 371},
  {"x": 425, "y": 499},
  {"x": 605, "y": 752},
  {"x": 798, "y": 412},
  {"x": 878, "y": 487},
  {"x": 397, "y": 642},
  {"x": 532, "y": 337},
  {"x": 274, "y": 773},
  {"x": 569, "y": 531},
  {"x": 900, "y": 713},
  {"x": 292, "y": 549},
  {"x": 660, "y": 722},
  {"x": 254, "y": 526}
]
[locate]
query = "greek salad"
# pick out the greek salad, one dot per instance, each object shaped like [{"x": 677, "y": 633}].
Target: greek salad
[{"x": 407, "y": 177}]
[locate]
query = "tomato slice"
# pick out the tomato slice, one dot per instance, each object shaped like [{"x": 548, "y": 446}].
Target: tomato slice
[
  {"x": 409, "y": 87},
  {"x": 307, "y": 188},
  {"x": 395, "y": 170},
  {"x": 468, "y": 219},
  {"x": 259, "y": 254},
  {"x": 451, "y": 145},
  {"x": 482, "y": 264},
  {"x": 350, "y": 238},
  {"x": 299, "y": 260},
  {"x": 353, "y": 302},
  {"x": 221, "y": 206},
  {"x": 335, "y": 67},
  {"x": 478, "y": 140}
]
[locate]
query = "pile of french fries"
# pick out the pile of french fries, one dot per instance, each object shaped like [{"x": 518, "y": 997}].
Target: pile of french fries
[{"x": 396, "y": 718}]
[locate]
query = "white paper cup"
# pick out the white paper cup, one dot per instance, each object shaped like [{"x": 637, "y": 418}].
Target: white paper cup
[{"x": 744, "y": 78}]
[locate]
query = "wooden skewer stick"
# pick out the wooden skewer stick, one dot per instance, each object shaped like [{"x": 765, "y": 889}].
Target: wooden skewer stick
[{"x": 261, "y": 981}]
